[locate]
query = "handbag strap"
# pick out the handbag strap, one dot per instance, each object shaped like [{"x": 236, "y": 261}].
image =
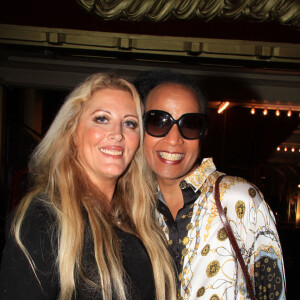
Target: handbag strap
[{"x": 232, "y": 238}]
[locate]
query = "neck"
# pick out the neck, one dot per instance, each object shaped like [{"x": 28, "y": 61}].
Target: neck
[
  {"x": 107, "y": 188},
  {"x": 172, "y": 194}
]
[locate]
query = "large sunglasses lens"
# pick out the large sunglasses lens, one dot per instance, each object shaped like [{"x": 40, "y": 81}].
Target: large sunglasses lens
[
  {"x": 191, "y": 126},
  {"x": 157, "y": 123}
]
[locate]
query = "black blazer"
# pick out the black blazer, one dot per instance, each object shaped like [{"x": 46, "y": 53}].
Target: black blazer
[{"x": 17, "y": 280}]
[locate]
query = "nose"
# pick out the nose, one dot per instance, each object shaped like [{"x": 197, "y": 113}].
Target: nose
[
  {"x": 174, "y": 137},
  {"x": 116, "y": 133}
]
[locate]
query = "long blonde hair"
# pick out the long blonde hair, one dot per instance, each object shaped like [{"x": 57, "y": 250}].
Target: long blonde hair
[{"x": 57, "y": 173}]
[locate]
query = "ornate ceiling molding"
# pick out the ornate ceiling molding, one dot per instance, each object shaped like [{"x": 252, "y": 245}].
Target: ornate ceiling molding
[
  {"x": 282, "y": 11},
  {"x": 168, "y": 48}
]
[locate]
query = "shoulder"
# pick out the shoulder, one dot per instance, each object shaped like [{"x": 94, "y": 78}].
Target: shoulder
[
  {"x": 239, "y": 188},
  {"x": 240, "y": 196},
  {"x": 40, "y": 211},
  {"x": 39, "y": 220},
  {"x": 23, "y": 274}
]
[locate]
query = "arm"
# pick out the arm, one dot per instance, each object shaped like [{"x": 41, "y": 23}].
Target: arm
[
  {"x": 267, "y": 260},
  {"x": 254, "y": 227},
  {"x": 17, "y": 279}
]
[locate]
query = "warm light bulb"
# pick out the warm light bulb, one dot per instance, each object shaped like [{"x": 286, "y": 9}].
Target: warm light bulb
[
  {"x": 265, "y": 112},
  {"x": 223, "y": 106},
  {"x": 285, "y": 149},
  {"x": 252, "y": 111},
  {"x": 278, "y": 148},
  {"x": 289, "y": 113},
  {"x": 293, "y": 149},
  {"x": 277, "y": 113}
]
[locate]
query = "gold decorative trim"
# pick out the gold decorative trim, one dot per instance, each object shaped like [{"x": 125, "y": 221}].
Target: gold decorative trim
[
  {"x": 150, "y": 44},
  {"x": 282, "y": 11}
]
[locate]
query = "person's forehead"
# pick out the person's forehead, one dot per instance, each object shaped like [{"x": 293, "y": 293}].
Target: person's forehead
[{"x": 170, "y": 94}]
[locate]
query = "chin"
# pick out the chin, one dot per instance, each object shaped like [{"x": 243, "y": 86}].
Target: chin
[{"x": 114, "y": 173}]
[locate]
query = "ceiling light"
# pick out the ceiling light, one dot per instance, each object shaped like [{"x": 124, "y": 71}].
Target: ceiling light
[
  {"x": 277, "y": 113},
  {"x": 253, "y": 111},
  {"x": 223, "y": 106},
  {"x": 289, "y": 113},
  {"x": 265, "y": 112}
]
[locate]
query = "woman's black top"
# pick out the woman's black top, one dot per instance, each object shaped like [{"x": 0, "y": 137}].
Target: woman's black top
[{"x": 17, "y": 280}]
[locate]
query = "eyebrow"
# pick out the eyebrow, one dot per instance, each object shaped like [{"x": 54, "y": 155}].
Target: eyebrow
[
  {"x": 102, "y": 110},
  {"x": 107, "y": 111},
  {"x": 135, "y": 116}
]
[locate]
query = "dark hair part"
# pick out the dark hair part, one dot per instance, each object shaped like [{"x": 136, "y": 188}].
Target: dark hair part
[{"x": 148, "y": 81}]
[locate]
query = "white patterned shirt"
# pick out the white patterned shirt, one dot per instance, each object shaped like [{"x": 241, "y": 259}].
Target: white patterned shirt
[{"x": 208, "y": 265}]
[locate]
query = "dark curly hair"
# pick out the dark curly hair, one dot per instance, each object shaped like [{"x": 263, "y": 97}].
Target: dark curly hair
[{"x": 148, "y": 81}]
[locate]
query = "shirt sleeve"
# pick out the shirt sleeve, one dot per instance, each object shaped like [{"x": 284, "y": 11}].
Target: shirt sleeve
[
  {"x": 17, "y": 279},
  {"x": 254, "y": 228},
  {"x": 268, "y": 266}
]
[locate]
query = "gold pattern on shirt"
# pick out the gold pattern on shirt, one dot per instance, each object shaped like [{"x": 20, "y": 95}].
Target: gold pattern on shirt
[
  {"x": 240, "y": 209},
  {"x": 205, "y": 250},
  {"x": 211, "y": 218},
  {"x": 224, "y": 186},
  {"x": 269, "y": 286},
  {"x": 170, "y": 242},
  {"x": 189, "y": 226},
  {"x": 185, "y": 240},
  {"x": 190, "y": 214},
  {"x": 205, "y": 220},
  {"x": 201, "y": 292},
  {"x": 222, "y": 235},
  {"x": 252, "y": 192},
  {"x": 213, "y": 268},
  {"x": 180, "y": 276},
  {"x": 200, "y": 174},
  {"x": 185, "y": 252}
]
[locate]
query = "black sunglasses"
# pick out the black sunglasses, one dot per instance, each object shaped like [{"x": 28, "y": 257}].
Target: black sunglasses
[{"x": 158, "y": 123}]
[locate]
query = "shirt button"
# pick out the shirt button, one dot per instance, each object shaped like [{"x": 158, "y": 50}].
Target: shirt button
[{"x": 183, "y": 184}]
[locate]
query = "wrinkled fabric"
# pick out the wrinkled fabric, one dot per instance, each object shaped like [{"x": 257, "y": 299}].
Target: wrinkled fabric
[{"x": 207, "y": 265}]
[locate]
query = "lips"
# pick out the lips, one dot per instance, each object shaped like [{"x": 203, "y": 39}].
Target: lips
[
  {"x": 170, "y": 157},
  {"x": 113, "y": 151}
]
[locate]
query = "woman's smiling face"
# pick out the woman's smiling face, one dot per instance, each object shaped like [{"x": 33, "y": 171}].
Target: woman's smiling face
[
  {"x": 108, "y": 134},
  {"x": 172, "y": 157}
]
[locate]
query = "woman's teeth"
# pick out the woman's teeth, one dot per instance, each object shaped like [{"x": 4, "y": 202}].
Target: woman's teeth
[{"x": 111, "y": 152}]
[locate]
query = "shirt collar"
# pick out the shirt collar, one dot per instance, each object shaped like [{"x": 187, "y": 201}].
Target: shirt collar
[
  {"x": 200, "y": 174},
  {"x": 196, "y": 179}
]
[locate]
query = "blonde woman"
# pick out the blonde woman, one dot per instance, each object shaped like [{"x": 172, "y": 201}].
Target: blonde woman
[{"x": 87, "y": 229}]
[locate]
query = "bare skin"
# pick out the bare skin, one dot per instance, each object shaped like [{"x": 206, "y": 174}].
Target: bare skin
[
  {"x": 171, "y": 157},
  {"x": 172, "y": 195},
  {"x": 107, "y": 137}
]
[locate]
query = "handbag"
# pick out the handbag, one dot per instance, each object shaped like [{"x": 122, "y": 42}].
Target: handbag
[{"x": 232, "y": 238}]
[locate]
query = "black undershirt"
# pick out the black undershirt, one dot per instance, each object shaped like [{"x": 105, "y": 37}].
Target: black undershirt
[{"x": 178, "y": 228}]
